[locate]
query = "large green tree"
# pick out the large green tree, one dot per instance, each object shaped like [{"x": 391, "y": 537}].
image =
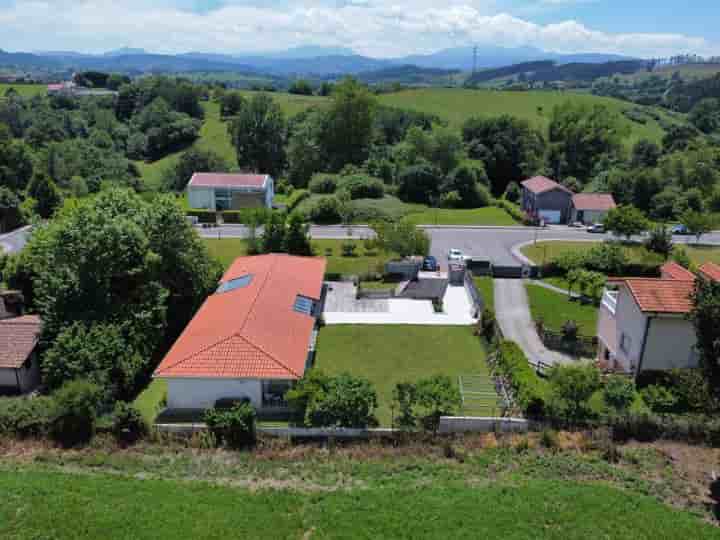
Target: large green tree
[
  {"x": 45, "y": 193},
  {"x": 625, "y": 221},
  {"x": 194, "y": 160},
  {"x": 705, "y": 316},
  {"x": 259, "y": 133}
]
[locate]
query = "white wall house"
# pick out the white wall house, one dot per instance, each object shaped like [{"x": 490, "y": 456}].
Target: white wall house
[
  {"x": 643, "y": 325},
  {"x": 221, "y": 191},
  {"x": 251, "y": 339}
]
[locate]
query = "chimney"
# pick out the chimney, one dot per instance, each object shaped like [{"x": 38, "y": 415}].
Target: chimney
[{"x": 12, "y": 304}]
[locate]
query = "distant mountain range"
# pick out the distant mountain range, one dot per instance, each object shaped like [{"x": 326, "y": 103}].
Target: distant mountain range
[{"x": 301, "y": 61}]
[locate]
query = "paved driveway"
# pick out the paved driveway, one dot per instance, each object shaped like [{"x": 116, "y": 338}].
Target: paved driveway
[{"x": 513, "y": 315}]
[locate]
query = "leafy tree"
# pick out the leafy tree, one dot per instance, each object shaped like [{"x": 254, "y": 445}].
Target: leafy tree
[
  {"x": 258, "y": 133},
  {"x": 16, "y": 167},
  {"x": 305, "y": 155},
  {"x": 697, "y": 223},
  {"x": 301, "y": 87},
  {"x": 10, "y": 212},
  {"x": 234, "y": 427},
  {"x": 513, "y": 193},
  {"x": 75, "y": 413},
  {"x": 274, "y": 233},
  {"x": 469, "y": 182},
  {"x": 660, "y": 241},
  {"x": 705, "y": 315},
  {"x": 437, "y": 396},
  {"x": 580, "y": 135},
  {"x": 678, "y": 137},
  {"x": 511, "y": 149},
  {"x": 297, "y": 238},
  {"x": 571, "y": 390},
  {"x": 625, "y": 221},
  {"x": 334, "y": 401},
  {"x": 680, "y": 256},
  {"x": 446, "y": 149},
  {"x": 347, "y": 127},
  {"x": 323, "y": 183},
  {"x": 619, "y": 393},
  {"x": 645, "y": 153},
  {"x": 231, "y": 103},
  {"x": 46, "y": 194},
  {"x": 572, "y": 183},
  {"x": 418, "y": 184},
  {"x": 326, "y": 210},
  {"x": 193, "y": 160},
  {"x": 659, "y": 398},
  {"x": 402, "y": 238},
  {"x": 705, "y": 115}
]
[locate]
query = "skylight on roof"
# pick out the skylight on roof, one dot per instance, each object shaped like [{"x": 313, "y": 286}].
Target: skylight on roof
[
  {"x": 305, "y": 305},
  {"x": 233, "y": 284}
]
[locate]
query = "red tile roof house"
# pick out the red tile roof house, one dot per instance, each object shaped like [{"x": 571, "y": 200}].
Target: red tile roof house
[
  {"x": 643, "y": 325},
  {"x": 224, "y": 191},
  {"x": 546, "y": 199},
  {"x": 251, "y": 339},
  {"x": 19, "y": 368},
  {"x": 589, "y": 208}
]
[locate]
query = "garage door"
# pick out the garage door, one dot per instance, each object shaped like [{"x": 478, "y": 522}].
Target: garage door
[{"x": 550, "y": 216}]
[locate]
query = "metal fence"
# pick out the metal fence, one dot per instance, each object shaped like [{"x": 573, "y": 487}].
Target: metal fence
[{"x": 475, "y": 295}]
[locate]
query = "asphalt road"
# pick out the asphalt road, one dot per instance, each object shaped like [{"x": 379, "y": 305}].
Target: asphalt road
[{"x": 490, "y": 243}]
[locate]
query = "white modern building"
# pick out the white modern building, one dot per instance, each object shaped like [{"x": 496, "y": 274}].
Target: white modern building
[{"x": 225, "y": 191}]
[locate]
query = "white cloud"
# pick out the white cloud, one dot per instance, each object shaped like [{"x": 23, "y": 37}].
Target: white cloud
[{"x": 373, "y": 27}]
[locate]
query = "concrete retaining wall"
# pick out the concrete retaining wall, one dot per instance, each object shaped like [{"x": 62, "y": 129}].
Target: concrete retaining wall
[{"x": 476, "y": 424}]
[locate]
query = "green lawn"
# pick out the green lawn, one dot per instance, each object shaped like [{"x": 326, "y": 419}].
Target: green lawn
[
  {"x": 41, "y": 504},
  {"x": 546, "y": 251},
  {"x": 487, "y": 289},
  {"x": 556, "y": 309},
  {"x": 387, "y": 355},
  {"x": 489, "y": 215},
  {"x": 226, "y": 250},
  {"x": 457, "y": 105},
  {"x": 149, "y": 401},
  {"x": 25, "y": 90}
]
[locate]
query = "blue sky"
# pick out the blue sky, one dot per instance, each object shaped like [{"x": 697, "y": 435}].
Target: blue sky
[{"x": 380, "y": 28}]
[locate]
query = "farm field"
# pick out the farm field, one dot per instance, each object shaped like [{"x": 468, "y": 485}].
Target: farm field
[
  {"x": 555, "y": 309},
  {"x": 89, "y": 506},
  {"x": 25, "y": 90},
  {"x": 546, "y": 251},
  {"x": 389, "y": 354},
  {"x": 456, "y": 105}
]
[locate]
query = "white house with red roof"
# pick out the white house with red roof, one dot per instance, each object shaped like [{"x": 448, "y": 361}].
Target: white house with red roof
[
  {"x": 643, "y": 325},
  {"x": 228, "y": 191},
  {"x": 252, "y": 338},
  {"x": 589, "y": 208}
]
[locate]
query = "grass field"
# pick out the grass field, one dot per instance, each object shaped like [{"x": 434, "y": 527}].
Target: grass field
[
  {"x": 556, "y": 309},
  {"x": 47, "y": 504},
  {"x": 25, "y": 90},
  {"x": 487, "y": 289},
  {"x": 546, "y": 251},
  {"x": 490, "y": 215},
  {"x": 456, "y": 106},
  {"x": 387, "y": 355},
  {"x": 226, "y": 250}
]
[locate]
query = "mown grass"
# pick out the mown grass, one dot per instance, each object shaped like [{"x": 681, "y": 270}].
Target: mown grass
[
  {"x": 226, "y": 250},
  {"x": 41, "y": 504},
  {"x": 555, "y": 309},
  {"x": 457, "y": 105},
  {"x": 489, "y": 215},
  {"x": 389, "y": 354},
  {"x": 25, "y": 90},
  {"x": 543, "y": 252},
  {"x": 487, "y": 289}
]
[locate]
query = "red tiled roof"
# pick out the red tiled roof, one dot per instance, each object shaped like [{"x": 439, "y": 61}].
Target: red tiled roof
[
  {"x": 593, "y": 201},
  {"x": 252, "y": 331},
  {"x": 661, "y": 295},
  {"x": 672, "y": 270},
  {"x": 541, "y": 184},
  {"x": 18, "y": 338},
  {"x": 710, "y": 270},
  {"x": 228, "y": 180}
]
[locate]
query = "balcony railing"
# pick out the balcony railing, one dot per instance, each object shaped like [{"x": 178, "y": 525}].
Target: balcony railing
[{"x": 609, "y": 300}]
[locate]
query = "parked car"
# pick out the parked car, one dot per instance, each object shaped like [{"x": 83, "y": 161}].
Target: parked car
[
  {"x": 596, "y": 228},
  {"x": 455, "y": 255},
  {"x": 679, "y": 229},
  {"x": 577, "y": 225},
  {"x": 430, "y": 264}
]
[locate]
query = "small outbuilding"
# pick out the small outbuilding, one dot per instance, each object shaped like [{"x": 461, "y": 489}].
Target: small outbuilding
[
  {"x": 19, "y": 368},
  {"x": 546, "y": 200},
  {"x": 589, "y": 208}
]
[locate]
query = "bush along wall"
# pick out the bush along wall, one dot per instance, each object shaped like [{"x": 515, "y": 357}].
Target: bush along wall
[{"x": 531, "y": 392}]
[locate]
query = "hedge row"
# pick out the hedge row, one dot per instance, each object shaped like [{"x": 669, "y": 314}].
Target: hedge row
[
  {"x": 510, "y": 208},
  {"x": 298, "y": 196},
  {"x": 696, "y": 429},
  {"x": 204, "y": 216},
  {"x": 531, "y": 392}
]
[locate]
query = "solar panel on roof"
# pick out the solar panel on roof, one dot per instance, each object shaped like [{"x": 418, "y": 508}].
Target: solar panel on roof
[
  {"x": 305, "y": 305},
  {"x": 233, "y": 284}
]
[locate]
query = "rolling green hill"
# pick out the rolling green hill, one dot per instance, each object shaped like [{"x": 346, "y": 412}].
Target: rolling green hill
[
  {"x": 456, "y": 106},
  {"x": 24, "y": 89}
]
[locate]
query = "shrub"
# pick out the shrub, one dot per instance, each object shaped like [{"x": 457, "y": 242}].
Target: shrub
[
  {"x": 75, "y": 413},
  {"x": 24, "y": 417},
  {"x": 509, "y": 207},
  {"x": 660, "y": 241},
  {"x": 234, "y": 427},
  {"x": 572, "y": 387},
  {"x": 204, "y": 216},
  {"x": 531, "y": 392},
  {"x": 549, "y": 438},
  {"x": 323, "y": 183},
  {"x": 359, "y": 186},
  {"x": 436, "y": 396},
  {"x": 298, "y": 196},
  {"x": 619, "y": 393},
  {"x": 487, "y": 321},
  {"x": 659, "y": 398},
  {"x": 326, "y": 210},
  {"x": 570, "y": 331},
  {"x": 128, "y": 425},
  {"x": 348, "y": 249}
]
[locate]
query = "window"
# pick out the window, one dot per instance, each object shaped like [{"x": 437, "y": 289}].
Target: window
[
  {"x": 233, "y": 284},
  {"x": 223, "y": 199},
  {"x": 305, "y": 305},
  {"x": 625, "y": 343}
]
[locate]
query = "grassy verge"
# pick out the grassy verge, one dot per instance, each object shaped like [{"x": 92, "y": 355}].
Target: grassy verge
[
  {"x": 556, "y": 309},
  {"x": 489, "y": 215},
  {"x": 487, "y": 289},
  {"x": 226, "y": 250},
  {"x": 387, "y": 355},
  {"x": 546, "y": 251},
  {"x": 43, "y": 504}
]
